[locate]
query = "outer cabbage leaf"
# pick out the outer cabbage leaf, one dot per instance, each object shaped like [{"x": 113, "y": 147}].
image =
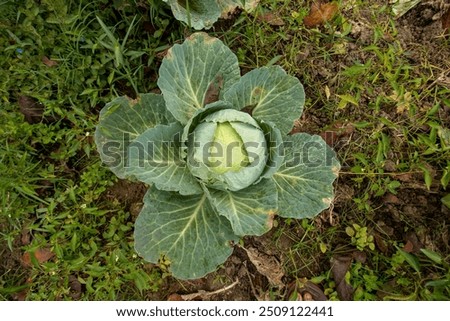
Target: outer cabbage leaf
[
  {"x": 192, "y": 70},
  {"x": 121, "y": 122},
  {"x": 201, "y": 14},
  {"x": 250, "y": 210},
  {"x": 271, "y": 95},
  {"x": 229, "y": 6},
  {"x": 200, "y": 114},
  {"x": 305, "y": 180},
  {"x": 198, "y": 14},
  {"x": 400, "y": 7},
  {"x": 185, "y": 230},
  {"x": 155, "y": 158},
  {"x": 275, "y": 149}
]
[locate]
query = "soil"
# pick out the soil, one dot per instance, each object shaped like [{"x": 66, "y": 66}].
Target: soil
[{"x": 129, "y": 193}]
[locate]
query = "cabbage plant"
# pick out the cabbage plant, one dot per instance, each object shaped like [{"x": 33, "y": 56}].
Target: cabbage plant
[
  {"x": 202, "y": 14},
  {"x": 216, "y": 150}
]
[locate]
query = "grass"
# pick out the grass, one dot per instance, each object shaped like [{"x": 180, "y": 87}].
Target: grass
[
  {"x": 53, "y": 185},
  {"x": 385, "y": 110}
]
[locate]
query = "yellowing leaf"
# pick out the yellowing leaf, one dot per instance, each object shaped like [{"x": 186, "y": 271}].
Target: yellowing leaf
[
  {"x": 345, "y": 99},
  {"x": 327, "y": 92},
  {"x": 349, "y": 231}
]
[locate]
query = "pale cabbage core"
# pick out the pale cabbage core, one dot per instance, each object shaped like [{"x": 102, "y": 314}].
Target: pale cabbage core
[{"x": 227, "y": 150}]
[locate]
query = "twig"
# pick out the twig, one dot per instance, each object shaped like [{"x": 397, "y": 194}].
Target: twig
[
  {"x": 251, "y": 283},
  {"x": 205, "y": 294}
]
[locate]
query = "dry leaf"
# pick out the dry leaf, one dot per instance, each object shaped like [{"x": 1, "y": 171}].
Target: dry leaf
[
  {"x": 20, "y": 296},
  {"x": 337, "y": 132},
  {"x": 381, "y": 244},
  {"x": 413, "y": 243},
  {"x": 320, "y": 13},
  {"x": 340, "y": 267},
  {"x": 267, "y": 265},
  {"x": 359, "y": 256},
  {"x": 306, "y": 290},
  {"x": 174, "y": 297},
  {"x": 330, "y": 137},
  {"x": 48, "y": 62},
  {"x": 408, "y": 247},
  {"x": 391, "y": 199},
  {"x": 25, "y": 238},
  {"x": 385, "y": 229},
  {"x": 41, "y": 255},
  {"x": 31, "y": 109},
  {"x": 404, "y": 177},
  {"x": 75, "y": 287},
  {"x": 271, "y": 19}
]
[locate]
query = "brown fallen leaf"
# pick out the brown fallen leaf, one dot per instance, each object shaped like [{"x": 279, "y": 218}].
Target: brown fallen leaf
[
  {"x": 174, "y": 297},
  {"x": 413, "y": 243},
  {"x": 380, "y": 243},
  {"x": 31, "y": 109},
  {"x": 306, "y": 291},
  {"x": 330, "y": 137},
  {"x": 22, "y": 295},
  {"x": 359, "y": 256},
  {"x": 408, "y": 247},
  {"x": 320, "y": 13},
  {"x": 271, "y": 18},
  {"x": 48, "y": 62},
  {"x": 385, "y": 229},
  {"x": 267, "y": 265},
  {"x": 340, "y": 266},
  {"x": 75, "y": 287},
  {"x": 25, "y": 238},
  {"x": 405, "y": 177},
  {"x": 339, "y": 131},
  {"x": 41, "y": 255},
  {"x": 391, "y": 199}
]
